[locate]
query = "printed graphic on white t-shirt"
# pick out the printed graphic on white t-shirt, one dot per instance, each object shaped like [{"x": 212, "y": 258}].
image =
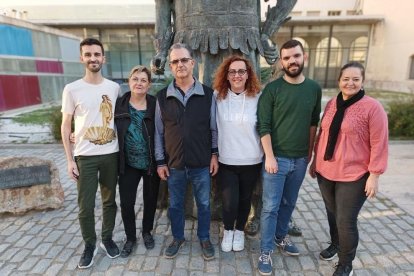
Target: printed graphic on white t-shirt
[
  {"x": 92, "y": 107},
  {"x": 100, "y": 135}
]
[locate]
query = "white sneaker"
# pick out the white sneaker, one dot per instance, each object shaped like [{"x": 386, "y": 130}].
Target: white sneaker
[
  {"x": 238, "y": 241},
  {"x": 227, "y": 242}
]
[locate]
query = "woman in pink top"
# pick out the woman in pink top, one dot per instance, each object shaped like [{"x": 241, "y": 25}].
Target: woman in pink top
[{"x": 351, "y": 153}]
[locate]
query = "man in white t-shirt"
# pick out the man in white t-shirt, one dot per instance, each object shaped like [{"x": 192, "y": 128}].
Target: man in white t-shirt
[{"x": 90, "y": 101}]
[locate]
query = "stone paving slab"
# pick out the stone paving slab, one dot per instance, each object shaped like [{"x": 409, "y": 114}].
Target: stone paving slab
[{"x": 50, "y": 243}]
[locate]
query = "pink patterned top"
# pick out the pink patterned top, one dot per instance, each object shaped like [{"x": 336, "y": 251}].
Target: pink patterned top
[{"x": 362, "y": 143}]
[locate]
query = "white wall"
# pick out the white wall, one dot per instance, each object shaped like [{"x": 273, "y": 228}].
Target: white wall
[
  {"x": 71, "y": 2},
  {"x": 324, "y": 6},
  {"x": 392, "y": 44},
  {"x": 142, "y": 13}
]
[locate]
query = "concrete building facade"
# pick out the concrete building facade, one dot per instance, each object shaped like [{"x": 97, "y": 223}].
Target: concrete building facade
[
  {"x": 391, "y": 48},
  {"x": 35, "y": 63},
  {"x": 333, "y": 32},
  {"x": 126, "y": 31},
  {"x": 378, "y": 33}
]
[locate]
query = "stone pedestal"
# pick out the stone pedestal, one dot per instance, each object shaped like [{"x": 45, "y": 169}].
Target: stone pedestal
[{"x": 32, "y": 196}]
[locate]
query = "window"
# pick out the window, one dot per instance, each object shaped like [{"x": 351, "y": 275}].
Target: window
[
  {"x": 122, "y": 53},
  {"x": 334, "y": 13},
  {"x": 358, "y": 50},
  {"x": 328, "y": 59},
  {"x": 412, "y": 68},
  {"x": 322, "y": 53}
]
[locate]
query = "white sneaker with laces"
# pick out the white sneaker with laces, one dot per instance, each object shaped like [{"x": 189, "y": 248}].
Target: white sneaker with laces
[
  {"x": 238, "y": 240},
  {"x": 227, "y": 242}
]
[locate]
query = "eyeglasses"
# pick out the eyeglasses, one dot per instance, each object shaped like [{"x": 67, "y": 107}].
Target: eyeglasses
[
  {"x": 183, "y": 61},
  {"x": 240, "y": 72}
]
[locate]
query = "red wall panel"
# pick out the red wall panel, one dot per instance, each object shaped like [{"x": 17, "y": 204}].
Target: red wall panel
[
  {"x": 18, "y": 91},
  {"x": 47, "y": 66}
]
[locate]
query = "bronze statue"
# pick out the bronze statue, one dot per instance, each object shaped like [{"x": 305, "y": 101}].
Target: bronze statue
[{"x": 215, "y": 29}]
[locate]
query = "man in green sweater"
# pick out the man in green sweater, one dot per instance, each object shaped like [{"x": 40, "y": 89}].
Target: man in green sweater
[{"x": 288, "y": 115}]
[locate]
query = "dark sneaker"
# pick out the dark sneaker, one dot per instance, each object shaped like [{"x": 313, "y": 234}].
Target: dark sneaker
[
  {"x": 287, "y": 246},
  {"x": 343, "y": 270},
  {"x": 110, "y": 248},
  {"x": 148, "y": 240},
  {"x": 173, "y": 248},
  {"x": 128, "y": 247},
  {"x": 265, "y": 264},
  {"x": 86, "y": 259},
  {"x": 294, "y": 230},
  {"x": 329, "y": 253},
  {"x": 208, "y": 250}
]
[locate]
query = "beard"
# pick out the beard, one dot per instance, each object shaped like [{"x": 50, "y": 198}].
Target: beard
[
  {"x": 94, "y": 69},
  {"x": 296, "y": 73}
]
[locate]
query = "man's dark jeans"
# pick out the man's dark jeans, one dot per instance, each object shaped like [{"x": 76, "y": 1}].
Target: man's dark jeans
[{"x": 177, "y": 186}]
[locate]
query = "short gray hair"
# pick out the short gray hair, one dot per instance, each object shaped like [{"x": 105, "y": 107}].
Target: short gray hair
[{"x": 181, "y": 46}]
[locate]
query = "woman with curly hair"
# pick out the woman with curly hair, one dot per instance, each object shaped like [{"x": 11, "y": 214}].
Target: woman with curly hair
[{"x": 237, "y": 91}]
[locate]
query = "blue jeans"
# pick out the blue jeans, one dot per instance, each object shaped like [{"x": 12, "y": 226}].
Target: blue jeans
[
  {"x": 280, "y": 192},
  {"x": 177, "y": 186}
]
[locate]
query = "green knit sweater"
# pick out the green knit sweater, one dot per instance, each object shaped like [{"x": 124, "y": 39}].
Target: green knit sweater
[{"x": 287, "y": 111}]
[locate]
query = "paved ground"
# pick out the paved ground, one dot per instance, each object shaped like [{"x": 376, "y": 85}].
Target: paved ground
[{"x": 49, "y": 242}]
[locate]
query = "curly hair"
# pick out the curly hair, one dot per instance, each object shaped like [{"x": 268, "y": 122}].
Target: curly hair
[{"x": 222, "y": 85}]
